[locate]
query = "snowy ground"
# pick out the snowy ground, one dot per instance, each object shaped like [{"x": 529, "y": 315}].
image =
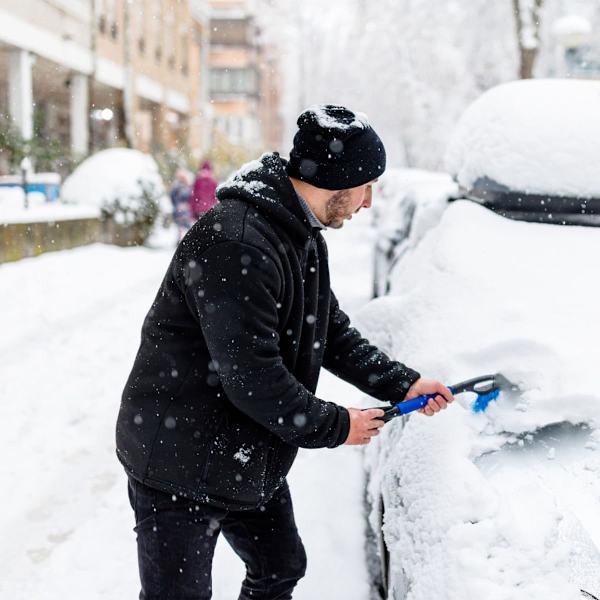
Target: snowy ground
[{"x": 70, "y": 324}]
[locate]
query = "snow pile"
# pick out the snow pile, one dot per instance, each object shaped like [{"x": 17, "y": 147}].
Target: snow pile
[
  {"x": 482, "y": 294},
  {"x": 534, "y": 136},
  {"x": 115, "y": 175}
]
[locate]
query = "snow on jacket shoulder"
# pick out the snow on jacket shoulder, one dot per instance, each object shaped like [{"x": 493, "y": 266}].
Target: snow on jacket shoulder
[{"x": 222, "y": 391}]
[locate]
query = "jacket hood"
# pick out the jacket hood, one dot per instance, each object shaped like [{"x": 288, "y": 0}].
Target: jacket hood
[{"x": 265, "y": 184}]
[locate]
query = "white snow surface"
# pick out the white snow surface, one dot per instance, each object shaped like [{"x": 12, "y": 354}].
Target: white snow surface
[
  {"x": 517, "y": 298},
  {"x": 483, "y": 294},
  {"x": 536, "y": 136},
  {"x": 415, "y": 194},
  {"x": 110, "y": 174},
  {"x": 70, "y": 325},
  {"x": 12, "y": 208}
]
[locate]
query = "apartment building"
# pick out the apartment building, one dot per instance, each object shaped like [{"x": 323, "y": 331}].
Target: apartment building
[
  {"x": 100, "y": 73},
  {"x": 244, "y": 79}
]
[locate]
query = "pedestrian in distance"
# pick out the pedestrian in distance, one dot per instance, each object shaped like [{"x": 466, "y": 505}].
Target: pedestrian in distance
[
  {"x": 222, "y": 391},
  {"x": 203, "y": 196},
  {"x": 181, "y": 193}
]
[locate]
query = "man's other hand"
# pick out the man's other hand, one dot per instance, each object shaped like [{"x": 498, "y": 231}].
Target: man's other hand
[
  {"x": 430, "y": 386},
  {"x": 364, "y": 424}
]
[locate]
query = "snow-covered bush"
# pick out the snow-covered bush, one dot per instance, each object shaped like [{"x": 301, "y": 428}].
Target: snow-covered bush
[
  {"x": 124, "y": 184},
  {"x": 139, "y": 209}
]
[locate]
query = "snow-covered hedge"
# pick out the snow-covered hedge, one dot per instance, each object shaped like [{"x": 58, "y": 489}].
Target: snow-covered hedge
[{"x": 124, "y": 184}]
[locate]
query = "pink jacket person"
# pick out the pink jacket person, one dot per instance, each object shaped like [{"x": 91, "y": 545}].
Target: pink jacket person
[{"x": 203, "y": 195}]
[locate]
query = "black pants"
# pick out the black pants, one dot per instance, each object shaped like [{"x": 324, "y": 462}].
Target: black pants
[{"x": 176, "y": 540}]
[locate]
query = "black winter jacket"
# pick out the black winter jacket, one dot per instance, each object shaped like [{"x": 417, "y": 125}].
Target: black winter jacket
[{"x": 221, "y": 394}]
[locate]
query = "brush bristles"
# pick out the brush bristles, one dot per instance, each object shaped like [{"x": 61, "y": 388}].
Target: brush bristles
[{"x": 482, "y": 400}]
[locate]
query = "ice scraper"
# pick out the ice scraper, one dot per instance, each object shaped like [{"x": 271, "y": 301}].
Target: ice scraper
[{"x": 487, "y": 388}]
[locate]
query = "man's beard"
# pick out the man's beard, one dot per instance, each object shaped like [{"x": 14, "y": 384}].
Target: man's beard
[{"x": 336, "y": 209}]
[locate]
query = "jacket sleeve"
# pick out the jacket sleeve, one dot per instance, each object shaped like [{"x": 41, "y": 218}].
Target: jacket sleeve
[
  {"x": 352, "y": 358},
  {"x": 232, "y": 289}
]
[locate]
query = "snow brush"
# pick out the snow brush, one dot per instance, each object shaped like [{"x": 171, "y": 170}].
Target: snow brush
[{"x": 487, "y": 388}]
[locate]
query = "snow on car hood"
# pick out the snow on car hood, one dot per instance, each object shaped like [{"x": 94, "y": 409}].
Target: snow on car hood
[
  {"x": 481, "y": 294},
  {"x": 484, "y": 294},
  {"x": 534, "y": 136}
]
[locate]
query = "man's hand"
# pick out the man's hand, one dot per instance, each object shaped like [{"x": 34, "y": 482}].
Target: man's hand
[
  {"x": 363, "y": 425},
  {"x": 430, "y": 386}
]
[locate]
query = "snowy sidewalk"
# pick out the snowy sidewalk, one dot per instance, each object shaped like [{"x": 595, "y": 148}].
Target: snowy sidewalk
[{"x": 70, "y": 325}]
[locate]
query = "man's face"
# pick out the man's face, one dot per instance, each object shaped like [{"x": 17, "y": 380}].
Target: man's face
[{"x": 343, "y": 204}]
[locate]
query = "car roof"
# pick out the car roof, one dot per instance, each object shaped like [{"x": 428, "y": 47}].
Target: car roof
[{"x": 538, "y": 137}]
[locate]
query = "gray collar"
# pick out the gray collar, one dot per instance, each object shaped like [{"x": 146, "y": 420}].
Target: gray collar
[{"x": 310, "y": 215}]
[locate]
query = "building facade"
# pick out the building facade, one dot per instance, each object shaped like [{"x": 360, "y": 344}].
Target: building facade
[
  {"x": 100, "y": 73},
  {"x": 244, "y": 82}
]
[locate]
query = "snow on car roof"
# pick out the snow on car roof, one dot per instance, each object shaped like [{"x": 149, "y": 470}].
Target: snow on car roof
[{"x": 534, "y": 136}]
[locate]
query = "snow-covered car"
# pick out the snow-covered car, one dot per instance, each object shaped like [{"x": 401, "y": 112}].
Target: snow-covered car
[
  {"x": 504, "y": 503},
  {"x": 406, "y": 198}
]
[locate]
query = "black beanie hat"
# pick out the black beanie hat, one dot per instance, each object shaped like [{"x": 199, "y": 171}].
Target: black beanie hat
[{"x": 335, "y": 149}]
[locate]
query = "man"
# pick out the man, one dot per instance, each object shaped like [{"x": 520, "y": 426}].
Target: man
[{"x": 221, "y": 394}]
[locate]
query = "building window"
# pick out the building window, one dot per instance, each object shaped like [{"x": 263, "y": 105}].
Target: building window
[
  {"x": 156, "y": 32},
  {"x": 237, "y": 81},
  {"x": 230, "y": 32},
  {"x": 184, "y": 48},
  {"x": 111, "y": 18},
  {"x": 170, "y": 26},
  {"x": 105, "y": 13},
  {"x": 139, "y": 25},
  {"x": 185, "y": 52}
]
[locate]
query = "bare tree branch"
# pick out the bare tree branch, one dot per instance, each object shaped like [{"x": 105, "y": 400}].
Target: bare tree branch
[{"x": 527, "y": 22}]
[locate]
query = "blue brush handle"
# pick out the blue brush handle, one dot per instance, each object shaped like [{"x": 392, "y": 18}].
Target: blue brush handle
[{"x": 409, "y": 406}]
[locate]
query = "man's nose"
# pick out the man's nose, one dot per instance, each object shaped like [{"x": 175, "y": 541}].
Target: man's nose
[{"x": 368, "y": 200}]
